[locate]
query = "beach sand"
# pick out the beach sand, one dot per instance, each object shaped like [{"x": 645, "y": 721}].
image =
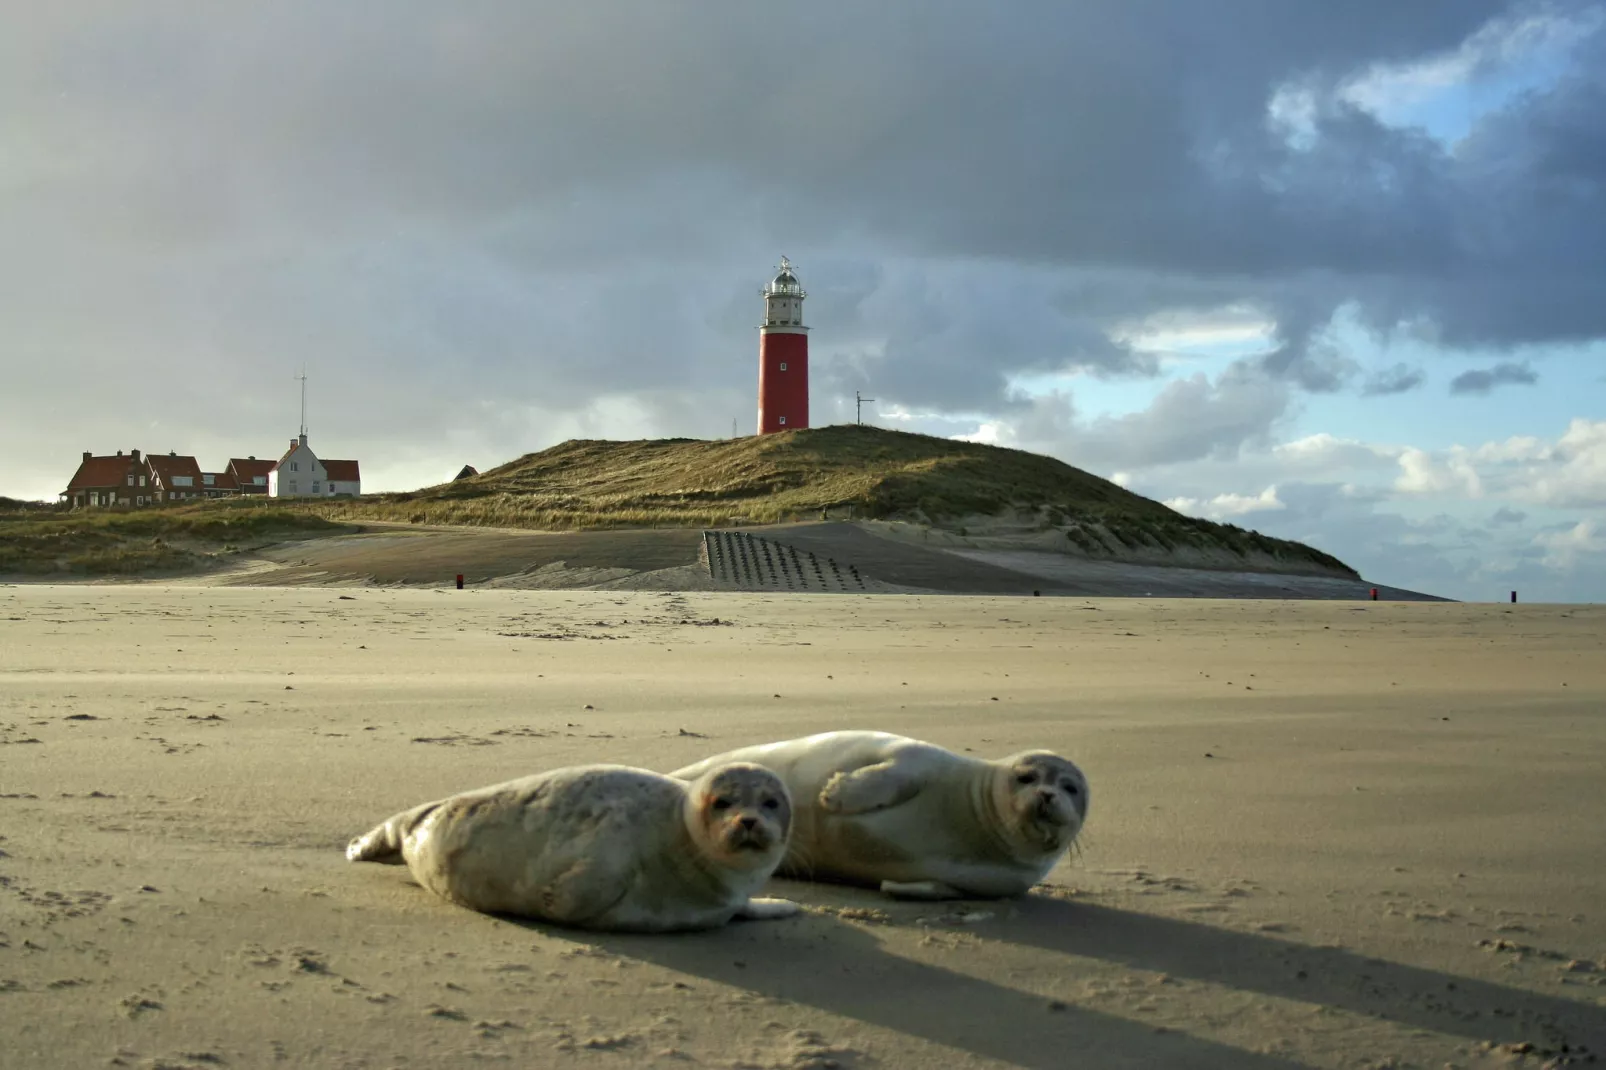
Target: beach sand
[{"x": 1329, "y": 834}]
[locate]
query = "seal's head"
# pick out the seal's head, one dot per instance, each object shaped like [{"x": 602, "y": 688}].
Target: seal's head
[
  {"x": 742, "y": 813},
  {"x": 1045, "y": 795}
]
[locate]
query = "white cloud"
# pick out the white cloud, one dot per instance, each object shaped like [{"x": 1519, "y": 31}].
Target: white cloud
[
  {"x": 1564, "y": 549},
  {"x": 1423, "y": 473},
  {"x": 1228, "y": 505},
  {"x": 1325, "y": 451},
  {"x": 1568, "y": 473},
  {"x": 1512, "y": 52}
]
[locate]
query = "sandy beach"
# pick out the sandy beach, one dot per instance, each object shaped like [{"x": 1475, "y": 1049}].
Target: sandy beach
[{"x": 1323, "y": 834}]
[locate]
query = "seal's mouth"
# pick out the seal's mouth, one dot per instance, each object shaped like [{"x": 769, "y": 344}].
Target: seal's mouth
[
  {"x": 1046, "y": 812},
  {"x": 755, "y": 840}
]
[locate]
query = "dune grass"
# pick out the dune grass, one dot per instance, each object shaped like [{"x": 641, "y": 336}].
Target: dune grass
[
  {"x": 837, "y": 472},
  {"x": 866, "y": 472},
  {"x": 40, "y": 540}
]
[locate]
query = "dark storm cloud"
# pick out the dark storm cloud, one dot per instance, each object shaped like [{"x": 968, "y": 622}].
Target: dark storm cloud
[
  {"x": 1483, "y": 380},
  {"x": 541, "y": 205},
  {"x": 1396, "y": 380}
]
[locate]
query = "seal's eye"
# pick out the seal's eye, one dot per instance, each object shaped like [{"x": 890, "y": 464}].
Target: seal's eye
[
  {"x": 1026, "y": 778},
  {"x": 1072, "y": 789},
  {"x": 772, "y": 804},
  {"x": 722, "y": 804}
]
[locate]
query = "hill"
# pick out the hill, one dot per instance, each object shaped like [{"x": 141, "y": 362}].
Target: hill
[
  {"x": 42, "y": 540},
  {"x": 971, "y": 490}
]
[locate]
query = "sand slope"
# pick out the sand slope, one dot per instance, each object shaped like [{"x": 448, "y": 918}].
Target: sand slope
[{"x": 1323, "y": 833}]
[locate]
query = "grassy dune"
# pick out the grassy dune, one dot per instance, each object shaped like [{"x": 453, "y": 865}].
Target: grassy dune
[
  {"x": 41, "y": 540},
  {"x": 799, "y": 475}
]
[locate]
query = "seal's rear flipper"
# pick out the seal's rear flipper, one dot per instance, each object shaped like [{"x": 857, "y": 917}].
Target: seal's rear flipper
[
  {"x": 768, "y": 909},
  {"x": 383, "y": 843},
  {"x": 374, "y": 847}
]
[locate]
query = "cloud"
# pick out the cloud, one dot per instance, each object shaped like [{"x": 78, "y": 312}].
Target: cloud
[
  {"x": 527, "y": 217},
  {"x": 1223, "y": 506},
  {"x": 1188, "y": 419},
  {"x": 1504, "y": 516},
  {"x": 1571, "y": 546},
  {"x": 1483, "y": 380},
  {"x": 1396, "y": 380}
]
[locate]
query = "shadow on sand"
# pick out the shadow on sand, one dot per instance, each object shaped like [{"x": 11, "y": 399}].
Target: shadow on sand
[
  {"x": 1422, "y": 998},
  {"x": 844, "y": 969}
]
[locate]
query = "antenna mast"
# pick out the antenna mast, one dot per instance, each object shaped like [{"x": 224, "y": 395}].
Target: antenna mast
[
  {"x": 303, "y": 378},
  {"x": 858, "y": 407}
]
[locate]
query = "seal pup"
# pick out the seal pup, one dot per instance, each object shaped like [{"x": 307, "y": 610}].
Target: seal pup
[
  {"x": 916, "y": 820},
  {"x": 600, "y": 847}
]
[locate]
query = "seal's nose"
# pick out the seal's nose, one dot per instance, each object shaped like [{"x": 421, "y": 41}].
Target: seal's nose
[{"x": 749, "y": 823}]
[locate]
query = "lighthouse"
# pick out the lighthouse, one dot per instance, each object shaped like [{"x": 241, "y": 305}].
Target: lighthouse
[{"x": 783, "y": 356}]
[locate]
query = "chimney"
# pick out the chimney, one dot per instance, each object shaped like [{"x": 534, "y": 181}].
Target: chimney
[
  {"x": 172, "y": 453},
  {"x": 87, "y": 455},
  {"x": 134, "y": 455},
  {"x": 294, "y": 443},
  {"x": 303, "y": 440},
  {"x": 119, "y": 453},
  {"x": 252, "y": 457}
]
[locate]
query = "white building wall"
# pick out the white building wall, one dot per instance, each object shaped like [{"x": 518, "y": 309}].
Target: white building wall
[{"x": 299, "y": 475}]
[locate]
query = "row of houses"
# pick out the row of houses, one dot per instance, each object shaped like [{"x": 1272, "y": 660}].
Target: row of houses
[{"x": 134, "y": 479}]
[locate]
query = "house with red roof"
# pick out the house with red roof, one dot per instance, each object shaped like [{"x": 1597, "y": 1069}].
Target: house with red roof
[
  {"x": 108, "y": 481},
  {"x": 174, "y": 478},
  {"x": 301, "y": 474},
  {"x": 218, "y": 485},
  {"x": 249, "y": 474}
]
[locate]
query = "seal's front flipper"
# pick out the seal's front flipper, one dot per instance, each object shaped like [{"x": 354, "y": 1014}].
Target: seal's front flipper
[
  {"x": 920, "y": 890},
  {"x": 767, "y": 909},
  {"x": 874, "y": 787}
]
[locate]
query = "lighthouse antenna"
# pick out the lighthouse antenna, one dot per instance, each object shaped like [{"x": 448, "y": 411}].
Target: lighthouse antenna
[{"x": 303, "y": 378}]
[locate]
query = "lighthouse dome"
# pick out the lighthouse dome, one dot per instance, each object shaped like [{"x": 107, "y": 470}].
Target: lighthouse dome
[{"x": 784, "y": 278}]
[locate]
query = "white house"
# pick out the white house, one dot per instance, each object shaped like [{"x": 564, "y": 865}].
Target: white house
[{"x": 300, "y": 474}]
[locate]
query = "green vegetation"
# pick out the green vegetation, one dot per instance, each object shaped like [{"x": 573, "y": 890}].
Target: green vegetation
[
  {"x": 862, "y": 472},
  {"x": 802, "y": 475},
  {"x": 39, "y": 540}
]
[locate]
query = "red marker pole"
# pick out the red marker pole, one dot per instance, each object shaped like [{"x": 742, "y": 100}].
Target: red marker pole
[
  {"x": 1374, "y": 594},
  {"x": 459, "y": 581}
]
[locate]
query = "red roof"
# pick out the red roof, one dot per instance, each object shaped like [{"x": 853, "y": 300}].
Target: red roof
[
  {"x": 342, "y": 471},
  {"x": 245, "y": 468},
  {"x": 166, "y": 466},
  {"x": 102, "y": 472}
]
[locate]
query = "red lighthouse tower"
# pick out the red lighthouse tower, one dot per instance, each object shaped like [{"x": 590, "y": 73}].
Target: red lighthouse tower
[{"x": 783, "y": 356}]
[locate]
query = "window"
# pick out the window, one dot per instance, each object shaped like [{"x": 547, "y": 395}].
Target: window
[
  {"x": 130, "y": 481},
  {"x": 295, "y": 466},
  {"x": 292, "y": 488},
  {"x": 208, "y": 478},
  {"x": 142, "y": 481},
  {"x": 783, "y": 365},
  {"x": 260, "y": 481},
  {"x": 315, "y": 486},
  {"x": 783, "y": 421}
]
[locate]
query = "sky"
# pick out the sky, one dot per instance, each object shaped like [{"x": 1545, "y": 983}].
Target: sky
[{"x": 1332, "y": 272}]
